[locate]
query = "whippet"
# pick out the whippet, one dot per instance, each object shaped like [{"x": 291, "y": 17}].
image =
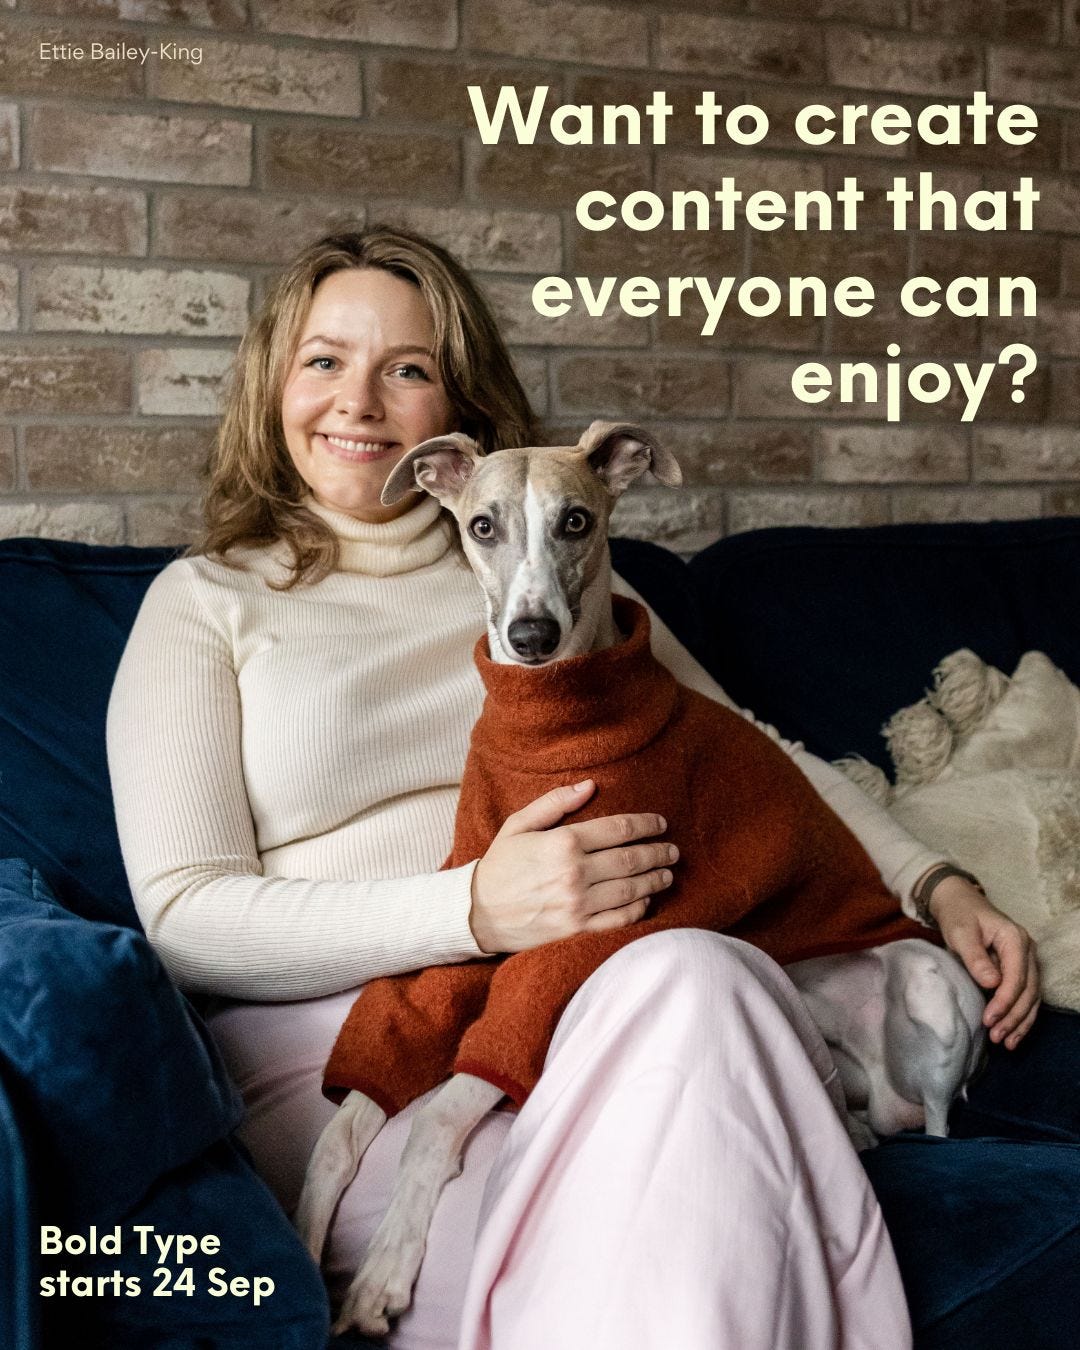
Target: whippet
[{"x": 903, "y": 1020}]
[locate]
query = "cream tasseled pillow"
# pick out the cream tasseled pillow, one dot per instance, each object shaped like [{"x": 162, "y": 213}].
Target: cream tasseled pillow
[{"x": 988, "y": 772}]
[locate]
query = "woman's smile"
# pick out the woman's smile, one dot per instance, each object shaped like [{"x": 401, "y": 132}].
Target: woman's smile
[{"x": 358, "y": 449}]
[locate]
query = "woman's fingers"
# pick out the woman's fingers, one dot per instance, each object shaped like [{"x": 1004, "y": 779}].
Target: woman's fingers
[
  {"x": 1015, "y": 959},
  {"x": 549, "y": 809},
  {"x": 619, "y": 875},
  {"x": 1014, "y": 1025},
  {"x": 613, "y": 864},
  {"x": 607, "y": 896},
  {"x": 611, "y": 831},
  {"x": 971, "y": 949},
  {"x": 999, "y": 955},
  {"x": 609, "y": 919},
  {"x": 1025, "y": 1026},
  {"x": 540, "y": 881}
]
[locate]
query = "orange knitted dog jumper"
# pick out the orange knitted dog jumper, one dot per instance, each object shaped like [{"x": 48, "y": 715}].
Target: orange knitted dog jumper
[{"x": 762, "y": 859}]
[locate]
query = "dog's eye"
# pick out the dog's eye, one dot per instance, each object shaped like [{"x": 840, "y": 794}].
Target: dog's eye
[
  {"x": 577, "y": 521},
  {"x": 482, "y": 528}
]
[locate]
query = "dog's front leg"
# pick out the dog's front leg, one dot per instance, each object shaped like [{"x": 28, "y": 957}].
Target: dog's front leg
[
  {"x": 333, "y": 1164},
  {"x": 383, "y": 1286}
]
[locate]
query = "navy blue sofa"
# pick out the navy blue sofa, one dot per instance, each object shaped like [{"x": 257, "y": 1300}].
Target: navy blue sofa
[{"x": 114, "y": 1107}]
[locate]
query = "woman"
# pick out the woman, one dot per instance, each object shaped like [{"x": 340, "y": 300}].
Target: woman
[{"x": 286, "y": 739}]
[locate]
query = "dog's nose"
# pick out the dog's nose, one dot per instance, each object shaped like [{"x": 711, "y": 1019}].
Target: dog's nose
[{"x": 533, "y": 638}]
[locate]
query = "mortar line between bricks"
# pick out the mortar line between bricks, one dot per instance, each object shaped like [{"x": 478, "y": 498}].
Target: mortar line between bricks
[
  {"x": 45, "y": 343},
  {"x": 23, "y": 271},
  {"x": 20, "y": 469},
  {"x": 22, "y": 131},
  {"x": 57, "y": 177},
  {"x": 123, "y": 421},
  {"x": 137, "y": 262},
  {"x": 151, "y": 222},
  {"x": 241, "y": 114}
]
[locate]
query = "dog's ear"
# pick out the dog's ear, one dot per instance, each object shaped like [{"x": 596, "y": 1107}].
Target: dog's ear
[
  {"x": 441, "y": 466},
  {"x": 619, "y": 452}
]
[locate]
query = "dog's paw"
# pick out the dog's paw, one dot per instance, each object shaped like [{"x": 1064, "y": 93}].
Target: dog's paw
[
  {"x": 382, "y": 1290},
  {"x": 369, "y": 1308}
]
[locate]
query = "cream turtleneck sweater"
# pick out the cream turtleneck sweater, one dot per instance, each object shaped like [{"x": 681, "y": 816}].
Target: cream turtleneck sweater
[{"x": 286, "y": 765}]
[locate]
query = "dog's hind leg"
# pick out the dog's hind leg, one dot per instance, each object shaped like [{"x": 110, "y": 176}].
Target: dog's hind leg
[
  {"x": 382, "y": 1288},
  {"x": 333, "y": 1164},
  {"x": 934, "y": 1032}
]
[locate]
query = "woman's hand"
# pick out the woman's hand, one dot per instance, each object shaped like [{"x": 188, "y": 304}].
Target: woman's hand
[
  {"x": 540, "y": 881},
  {"x": 998, "y": 954}
]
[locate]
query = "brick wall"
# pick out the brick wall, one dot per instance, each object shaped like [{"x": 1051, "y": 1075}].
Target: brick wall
[{"x": 144, "y": 206}]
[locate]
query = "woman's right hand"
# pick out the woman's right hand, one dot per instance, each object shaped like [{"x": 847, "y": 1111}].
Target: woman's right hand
[{"x": 541, "y": 881}]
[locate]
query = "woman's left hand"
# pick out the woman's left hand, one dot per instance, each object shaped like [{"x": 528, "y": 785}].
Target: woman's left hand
[{"x": 998, "y": 954}]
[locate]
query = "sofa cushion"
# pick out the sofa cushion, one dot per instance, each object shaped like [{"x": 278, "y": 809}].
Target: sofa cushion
[
  {"x": 65, "y": 613},
  {"x": 987, "y": 1236},
  {"x": 987, "y": 774},
  {"x": 123, "y": 1112},
  {"x": 1032, "y": 1092},
  {"x": 664, "y": 581},
  {"x": 826, "y": 632},
  {"x": 116, "y": 1077}
]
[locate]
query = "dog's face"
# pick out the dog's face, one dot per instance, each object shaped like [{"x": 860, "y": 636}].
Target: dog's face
[
  {"x": 534, "y": 528},
  {"x": 533, "y": 524}
]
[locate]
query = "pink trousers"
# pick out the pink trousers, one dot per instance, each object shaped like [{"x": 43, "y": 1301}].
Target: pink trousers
[{"x": 680, "y": 1177}]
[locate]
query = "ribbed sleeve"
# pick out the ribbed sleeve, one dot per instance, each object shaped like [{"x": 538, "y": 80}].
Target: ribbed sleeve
[{"x": 177, "y": 747}]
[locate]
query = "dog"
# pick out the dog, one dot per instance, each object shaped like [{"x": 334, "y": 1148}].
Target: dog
[{"x": 901, "y": 1015}]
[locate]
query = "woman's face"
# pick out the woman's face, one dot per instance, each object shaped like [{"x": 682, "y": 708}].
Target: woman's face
[{"x": 362, "y": 389}]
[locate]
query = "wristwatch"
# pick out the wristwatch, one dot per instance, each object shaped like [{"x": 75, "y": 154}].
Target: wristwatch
[{"x": 920, "y": 897}]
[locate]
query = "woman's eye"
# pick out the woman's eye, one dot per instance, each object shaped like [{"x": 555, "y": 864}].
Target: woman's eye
[
  {"x": 577, "y": 522},
  {"x": 322, "y": 363},
  {"x": 412, "y": 372},
  {"x": 481, "y": 527}
]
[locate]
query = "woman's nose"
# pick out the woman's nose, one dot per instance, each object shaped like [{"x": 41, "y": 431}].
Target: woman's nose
[{"x": 359, "y": 395}]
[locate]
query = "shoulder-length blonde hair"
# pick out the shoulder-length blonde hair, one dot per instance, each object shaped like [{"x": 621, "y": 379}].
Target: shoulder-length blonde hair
[{"x": 253, "y": 494}]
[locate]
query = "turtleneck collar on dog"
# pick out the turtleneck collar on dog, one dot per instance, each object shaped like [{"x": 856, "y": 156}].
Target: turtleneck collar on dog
[{"x": 580, "y": 712}]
